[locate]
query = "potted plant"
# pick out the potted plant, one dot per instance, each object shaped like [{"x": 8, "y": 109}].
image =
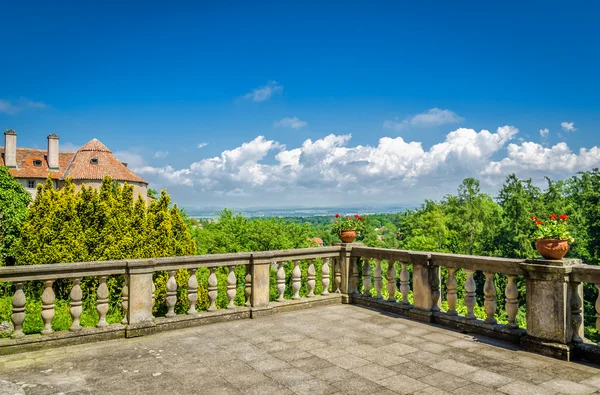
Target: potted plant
[
  {"x": 347, "y": 228},
  {"x": 552, "y": 237}
]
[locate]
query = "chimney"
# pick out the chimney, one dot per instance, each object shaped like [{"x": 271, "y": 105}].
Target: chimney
[
  {"x": 10, "y": 149},
  {"x": 53, "y": 152}
]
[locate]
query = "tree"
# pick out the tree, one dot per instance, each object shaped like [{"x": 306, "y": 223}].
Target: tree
[{"x": 14, "y": 200}]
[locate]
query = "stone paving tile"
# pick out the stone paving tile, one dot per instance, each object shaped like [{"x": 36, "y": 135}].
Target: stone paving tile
[
  {"x": 402, "y": 384},
  {"x": 269, "y": 364},
  {"x": 523, "y": 388},
  {"x": 593, "y": 381},
  {"x": 311, "y": 363},
  {"x": 444, "y": 381},
  {"x": 454, "y": 367},
  {"x": 315, "y": 351},
  {"x": 568, "y": 387},
  {"x": 488, "y": 379},
  {"x": 413, "y": 369},
  {"x": 332, "y": 373},
  {"x": 357, "y": 385},
  {"x": 476, "y": 389},
  {"x": 373, "y": 372}
]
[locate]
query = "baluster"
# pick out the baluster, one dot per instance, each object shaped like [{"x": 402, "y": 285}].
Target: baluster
[
  {"x": 102, "y": 301},
  {"x": 231, "y": 285},
  {"x": 489, "y": 303},
  {"x": 192, "y": 291},
  {"x": 125, "y": 300},
  {"x": 354, "y": 275},
  {"x": 48, "y": 307},
  {"x": 18, "y": 310},
  {"x": 338, "y": 275},
  {"x": 76, "y": 295},
  {"x": 435, "y": 288},
  {"x": 310, "y": 279},
  {"x": 171, "y": 294},
  {"x": 212, "y": 289},
  {"x": 404, "y": 283},
  {"x": 153, "y": 293},
  {"x": 296, "y": 278},
  {"x": 391, "y": 281},
  {"x": 325, "y": 276},
  {"x": 597, "y": 305},
  {"x": 248, "y": 287},
  {"x": 378, "y": 279},
  {"x": 470, "y": 300},
  {"x": 512, "y": 302},
  {"x": 576, "y": 319},
  {"x": 366, "y": 273},
  {"x": 451, "y": 291},
  {"x": 280, "y": 281}
]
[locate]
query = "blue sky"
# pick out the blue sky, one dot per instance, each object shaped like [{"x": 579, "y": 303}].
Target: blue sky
[{"x": 155, "y": 82}]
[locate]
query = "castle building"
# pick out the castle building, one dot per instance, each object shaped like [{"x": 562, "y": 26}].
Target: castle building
[{"x": 87, "y": 166}]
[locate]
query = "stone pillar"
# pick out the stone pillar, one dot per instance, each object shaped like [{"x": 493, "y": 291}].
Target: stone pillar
[
  {"x": 260, "y": 269},
  {"x": 141, "y": 295},
  {"x": 346, "y": 287},
  {"x": 424, "y": 286},
  {"x": 10, "y": 149},
  {"x": 549, "y": 299}
]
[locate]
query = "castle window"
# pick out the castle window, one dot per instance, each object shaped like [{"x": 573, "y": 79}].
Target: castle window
[
  {"x": 30, "y": 184},
  {"x": 94, "y": 161},
  {"x": 37, "y": 162}
]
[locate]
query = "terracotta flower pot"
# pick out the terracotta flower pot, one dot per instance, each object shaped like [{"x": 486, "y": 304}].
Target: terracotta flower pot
[
  {"x": 552, "y": 248},
  {"x": 347, "y": 236}
]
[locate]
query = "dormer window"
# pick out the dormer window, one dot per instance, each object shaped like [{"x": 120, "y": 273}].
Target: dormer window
[
  {"x": 37, "y": 162},
  {"x": 94, "y": 161}
]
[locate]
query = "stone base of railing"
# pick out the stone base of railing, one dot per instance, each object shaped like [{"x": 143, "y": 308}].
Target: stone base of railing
[
  {"x": 59, "y": 339},
  {"x": 588, "y": 351},
  {"x": 159, "y": 324},
  {"x": 549, "y": 349},
  {"x": 479, "y": 327},
  {"x": 501, "y": 332}
]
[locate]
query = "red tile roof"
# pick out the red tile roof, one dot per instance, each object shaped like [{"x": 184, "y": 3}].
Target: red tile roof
[
  {"x": 81, "y": 167},
  {"x": 77, "y": 165},
  {"x": 26, "y": 168}
]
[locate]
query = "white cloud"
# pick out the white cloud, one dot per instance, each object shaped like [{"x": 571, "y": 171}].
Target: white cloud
[
  {"x": 290, "y": 122},
  {"x": 544, "y": 132},
  {"x": 431, "y": 117},
  {"x": 326, "y": 167},
  {"x": 202, "y": 145},
  {"x": 530, "y": 158},
  {"x": 161, "y": 154},
  {"x": 568, "y": 126},
  {"x": 435, "y": 117},
  {"x": 13, "y": 107},
  {"x": 264, "y": 92}
]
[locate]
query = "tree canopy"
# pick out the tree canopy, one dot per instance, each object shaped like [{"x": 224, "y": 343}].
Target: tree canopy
[{"x": 14, "y": 200}]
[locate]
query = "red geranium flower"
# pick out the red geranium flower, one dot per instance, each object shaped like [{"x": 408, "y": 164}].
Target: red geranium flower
[
  {"x": 534, "y": 218},
  {"x": 563, "y": 217},
  {"x": 337, "y": 215},
  {"x": 553, "y": 217},
  {"x": 538, "y": 223}
]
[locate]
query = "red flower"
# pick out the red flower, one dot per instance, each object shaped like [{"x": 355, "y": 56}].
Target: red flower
[
  {"x": 337, "y": 215},
  {"x": 356, "y": 216},
  {"x": 553, "y": 217},
  {"x": 538, "y": 223},
  {"x": 534, "y": 218},
  {"x": 563, "y": 217}
]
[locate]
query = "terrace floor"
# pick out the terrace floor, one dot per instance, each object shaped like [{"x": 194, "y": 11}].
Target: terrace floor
[{"x": 341, "y": 349}]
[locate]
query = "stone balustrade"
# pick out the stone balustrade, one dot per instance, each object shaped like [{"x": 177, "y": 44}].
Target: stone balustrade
[{"x": 408, "y": 283}]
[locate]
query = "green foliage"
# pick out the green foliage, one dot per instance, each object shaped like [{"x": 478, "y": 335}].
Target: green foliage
[{"x": 14, "y": 200}]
